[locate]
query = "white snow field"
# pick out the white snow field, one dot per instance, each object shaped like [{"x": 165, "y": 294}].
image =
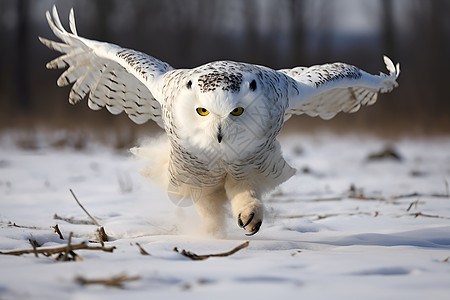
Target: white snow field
[{"x": 344, "y": 227}]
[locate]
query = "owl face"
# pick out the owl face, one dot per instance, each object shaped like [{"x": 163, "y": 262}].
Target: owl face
[{"x": 224, "y": 114}]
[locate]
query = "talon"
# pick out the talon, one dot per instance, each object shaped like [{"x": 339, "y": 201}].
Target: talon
[
  {"x": 240, "y": 223},
  {"x": 255, "y": 229},
  {"x": 250, "y": 218}
]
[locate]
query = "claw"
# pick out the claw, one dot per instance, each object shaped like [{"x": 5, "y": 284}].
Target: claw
[
  {"x": 255, "y": 229},
  {"x": 241, "y": 224},
  {"x": 250, "y": 218}
]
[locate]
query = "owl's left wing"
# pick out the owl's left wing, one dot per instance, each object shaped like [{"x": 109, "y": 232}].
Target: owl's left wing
[{"x": 326, "y": 90}]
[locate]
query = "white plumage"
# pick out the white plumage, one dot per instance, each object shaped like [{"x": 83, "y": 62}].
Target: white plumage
[{"x": 221, "y": 118}]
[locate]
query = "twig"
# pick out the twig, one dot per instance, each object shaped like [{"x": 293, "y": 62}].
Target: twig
[
  {"x": 64, "y": 256},
  {"x": 194, "y": 256},
  {"x": 93, "y": 220},
  {"x": 71, "y": 220},
  {"x": 420, "y": 195},
  {"x": 68, "y": 247},
  {"x": 56, "y": 228},
  {"x": 50, "y": 251},
  {"x": 364, "y": 197},
  {"x": 115, "y": 281},
  {"x": 420, "y": 214},
  {"x": 101, "y": 234},
  {"x": 375, "y": 214},
  {"x": 34, "y": 244},
  {"x": 20, "y": 226},
  {"x": 142, "y": 250},
  {"x": 414, "y": 203}
]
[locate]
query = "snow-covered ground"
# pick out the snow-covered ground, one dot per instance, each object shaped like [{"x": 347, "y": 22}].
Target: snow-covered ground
[{"x": 345, "y": 227}]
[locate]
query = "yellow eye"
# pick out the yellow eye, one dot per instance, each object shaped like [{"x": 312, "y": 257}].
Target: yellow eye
[
  {"x": 237, "y": 111},
  {"x": 202, "y": 111}
]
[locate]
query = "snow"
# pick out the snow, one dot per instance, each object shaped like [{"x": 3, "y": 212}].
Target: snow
[{"x": 319, "y": 240}]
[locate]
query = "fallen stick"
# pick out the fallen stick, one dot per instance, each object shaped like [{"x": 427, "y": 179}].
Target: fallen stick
[
  {"x": 194, "y": 256},
  {"x": 50, "y": 251},
  {"x": 115, "y": 281}
]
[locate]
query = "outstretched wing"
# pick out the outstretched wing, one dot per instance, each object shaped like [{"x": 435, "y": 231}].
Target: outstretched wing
[
  {"x": 326, "y": 90},
  {"x": 118, "y": 78}
]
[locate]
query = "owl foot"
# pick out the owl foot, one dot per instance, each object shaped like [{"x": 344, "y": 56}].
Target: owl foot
[{"x": 251, "y": 224}]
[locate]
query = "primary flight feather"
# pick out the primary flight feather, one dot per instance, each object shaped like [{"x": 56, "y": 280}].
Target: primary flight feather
[{"x": 221, "y": 118}]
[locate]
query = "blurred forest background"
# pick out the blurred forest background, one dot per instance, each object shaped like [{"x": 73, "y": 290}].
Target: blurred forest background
[{"x": 274, "y": 33}]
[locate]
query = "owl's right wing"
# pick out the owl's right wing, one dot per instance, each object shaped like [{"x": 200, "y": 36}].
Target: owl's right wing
[{"x": 118, "y": 78}]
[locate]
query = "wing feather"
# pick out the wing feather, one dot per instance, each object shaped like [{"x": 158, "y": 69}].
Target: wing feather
[
  {"x": 61, "y": 47},
  {"x": 66, "y": 60},
  {"x": 326, "y": 90},
  {"x": 109, "y": 76},
  {"x": 73, "y": 73}
]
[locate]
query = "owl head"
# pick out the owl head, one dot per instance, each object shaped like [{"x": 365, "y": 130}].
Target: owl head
[{"x": 225, "y": 110}]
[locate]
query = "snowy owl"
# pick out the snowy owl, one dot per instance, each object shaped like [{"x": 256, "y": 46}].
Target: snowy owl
[{"x": 221, "y": 119}]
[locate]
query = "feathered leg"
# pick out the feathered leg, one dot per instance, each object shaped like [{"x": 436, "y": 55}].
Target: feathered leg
[
  {"x": 209, "y": 203},
  {"x": 246, "y": 205}
]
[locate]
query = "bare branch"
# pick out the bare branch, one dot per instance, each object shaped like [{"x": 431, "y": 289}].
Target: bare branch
[{"x": 194, "y": 256}]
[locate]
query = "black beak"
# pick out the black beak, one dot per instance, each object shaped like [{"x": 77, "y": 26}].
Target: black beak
[{"x": 219, "y": 135}]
